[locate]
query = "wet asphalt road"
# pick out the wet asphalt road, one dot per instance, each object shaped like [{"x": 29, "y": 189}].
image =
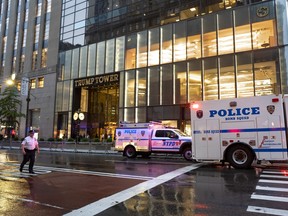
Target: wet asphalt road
[{"x": 67, "y": 182}]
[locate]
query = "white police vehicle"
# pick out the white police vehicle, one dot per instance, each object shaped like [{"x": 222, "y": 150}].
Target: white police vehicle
[
  {"x": 240, "y": 130},
  {"x": 145, "y": 138}
]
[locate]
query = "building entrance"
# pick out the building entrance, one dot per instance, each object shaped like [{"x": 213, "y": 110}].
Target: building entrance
[
  {"x": 102, "y": 112},
  {"x": 97, "y": 98}
]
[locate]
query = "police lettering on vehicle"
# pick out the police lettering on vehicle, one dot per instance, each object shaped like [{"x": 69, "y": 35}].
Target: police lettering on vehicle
[
  {"x": 235, "y": 112},
  {"x": 130, "y": 131},
  {"x": 169, "y": 143}
]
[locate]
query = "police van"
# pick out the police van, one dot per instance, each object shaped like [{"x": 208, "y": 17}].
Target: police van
[
  {"x": 145, "y": 138},
  {"x": 240, "y": 130}
]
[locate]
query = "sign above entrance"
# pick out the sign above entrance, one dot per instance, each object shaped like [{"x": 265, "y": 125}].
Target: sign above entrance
[{"x": 106, "y": 79}]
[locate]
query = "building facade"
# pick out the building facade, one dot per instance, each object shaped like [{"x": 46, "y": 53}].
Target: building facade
[
  {"x": 140, "y": 61},
  {"x": 29, "y": 32}
]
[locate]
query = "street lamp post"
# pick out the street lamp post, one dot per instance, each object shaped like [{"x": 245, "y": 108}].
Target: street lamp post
[
  {"x": 27, "y": 109},
  {"x": 25, "y": 91}
]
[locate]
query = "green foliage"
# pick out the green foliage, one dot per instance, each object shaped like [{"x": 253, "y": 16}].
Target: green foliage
[
  {"x": 109, "y": 140},
  {"x": 50, "y": 139},
  {"x": 41, "y": 139},
  {"x": 70, "y": 139},
  {"x": 84, "y": 140},
  {"x": 59, "y": 139},
  {"x": 96, "y": 140},
  {"x": 9, "y": 105}
]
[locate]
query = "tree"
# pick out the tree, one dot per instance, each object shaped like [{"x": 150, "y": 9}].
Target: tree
[{"x": 9, "y": 105}]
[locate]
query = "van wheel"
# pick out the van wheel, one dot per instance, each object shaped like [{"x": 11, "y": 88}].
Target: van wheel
[
  {"x": 240, "y": 157},
  {"x": 187, "y": 154},
  {"x": 130, "y": 152}
]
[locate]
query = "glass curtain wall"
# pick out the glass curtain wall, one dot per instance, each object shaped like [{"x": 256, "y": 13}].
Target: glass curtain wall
[{"x": 221, "y": 55}]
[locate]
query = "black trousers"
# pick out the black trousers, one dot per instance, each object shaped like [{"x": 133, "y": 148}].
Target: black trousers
[{"x": 29, "y": 156}]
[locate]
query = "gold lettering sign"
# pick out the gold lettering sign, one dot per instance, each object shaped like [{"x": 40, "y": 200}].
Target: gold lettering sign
[
  {"x": 106, "y": 79},
  {"x": 262, "y": 11}
]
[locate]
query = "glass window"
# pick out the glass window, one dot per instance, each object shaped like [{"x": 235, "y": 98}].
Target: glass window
[
  {"x": 130, "y": 51},
  {"x": 245, "y": 86},
  {"x": 265, "y": 72},
  {"x": 100, "y": 58},
  {"x": 153, "y": 86},
  {"x": 142, "y": 49},
  {"x": 284, "y": 67},
  {"x": 166, "y": 44},
  {"x": 227, "y": 77},
  {"x": 83, "y": 61},
  {"x": 122, "y": 89},
  {"x": 59, "y": 96},
  {"x": 119, "y": 53},
  {"x": 166, "y": 85},
  {"x": 140, "y": 114},
  {"x": 153, "y": 53},
  {"x": 141, "y": 90},
  {"x": 40, "y": 82},
  {"x": 264, "y": 34},
  {"x": 209, "y": 36},
  {"x": 242, "y": 29},
  {"x": 129, "y": 115},
  {"x": 180, "y": 41},
  {"x": 68, "y": 62},
  {"x": 91, "y": 60},
  {"x": 210, "y": 79},
  {"x": 75, "y": 63},
  {"x": 195, "y": 81},
  {"x": 130, "y": 88},
  {"x": 194, "y": 39},
  {"x": 180, "y": 83},
  {"x": 33, "y": 83},
  {"x": 225, "y": 33},
  {"x": 109, "y": 63},
  {"x": 66, "y": 93}
]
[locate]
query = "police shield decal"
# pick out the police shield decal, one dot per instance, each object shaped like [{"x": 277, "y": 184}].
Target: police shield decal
[
  {"x": 199, "y": 113},
  {"x": 271, "y": 109}
]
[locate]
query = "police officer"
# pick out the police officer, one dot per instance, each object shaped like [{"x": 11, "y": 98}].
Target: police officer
[{"x": 29, "y": 146}]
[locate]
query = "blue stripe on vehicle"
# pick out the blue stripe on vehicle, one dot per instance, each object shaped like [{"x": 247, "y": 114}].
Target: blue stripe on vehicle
[
  {"x": 270, "y": 150},
  {"x": 240, "y": 130},
  {"x": 161, "y": 149}
]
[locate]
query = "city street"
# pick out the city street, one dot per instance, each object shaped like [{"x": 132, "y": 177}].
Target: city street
[{"x": 109, "y": 184}]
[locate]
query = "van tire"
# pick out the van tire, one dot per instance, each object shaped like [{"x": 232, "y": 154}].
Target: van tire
[
  {"x": 130, "y": 152},
  {"x": 240, "y": 157},
  {"x": 187, "y": 154}
]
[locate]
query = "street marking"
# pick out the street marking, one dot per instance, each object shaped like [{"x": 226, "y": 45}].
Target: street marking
[
  {"x": 274, "y": 176},
  {"x": 269, "y": 211},
  {"x": 31, "y": 201},
  {"x": 270, "y": 198},
  {"x": 273, "y": 181},
  {"x": 105, "y": 203},
  {"x": 271, "y": 189},
  {"x": 96, "y": 173},
  {"x": 273, "y": 172},
  {"x": 114, "y": 175}
]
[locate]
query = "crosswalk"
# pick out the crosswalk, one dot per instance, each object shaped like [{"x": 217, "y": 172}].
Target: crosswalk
[
  {"x": 12, "y": 173},
  {"x": 271, "y": 194}
]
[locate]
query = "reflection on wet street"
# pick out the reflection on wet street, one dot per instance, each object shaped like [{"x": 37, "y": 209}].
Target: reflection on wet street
[{"x": 209, "y": 190}]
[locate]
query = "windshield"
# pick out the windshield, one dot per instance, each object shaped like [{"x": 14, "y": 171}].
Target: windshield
[{"x": 181, "y": 133}]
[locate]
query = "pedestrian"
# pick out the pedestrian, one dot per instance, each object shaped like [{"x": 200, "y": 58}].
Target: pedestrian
[{"x": 29, "y": 146}]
